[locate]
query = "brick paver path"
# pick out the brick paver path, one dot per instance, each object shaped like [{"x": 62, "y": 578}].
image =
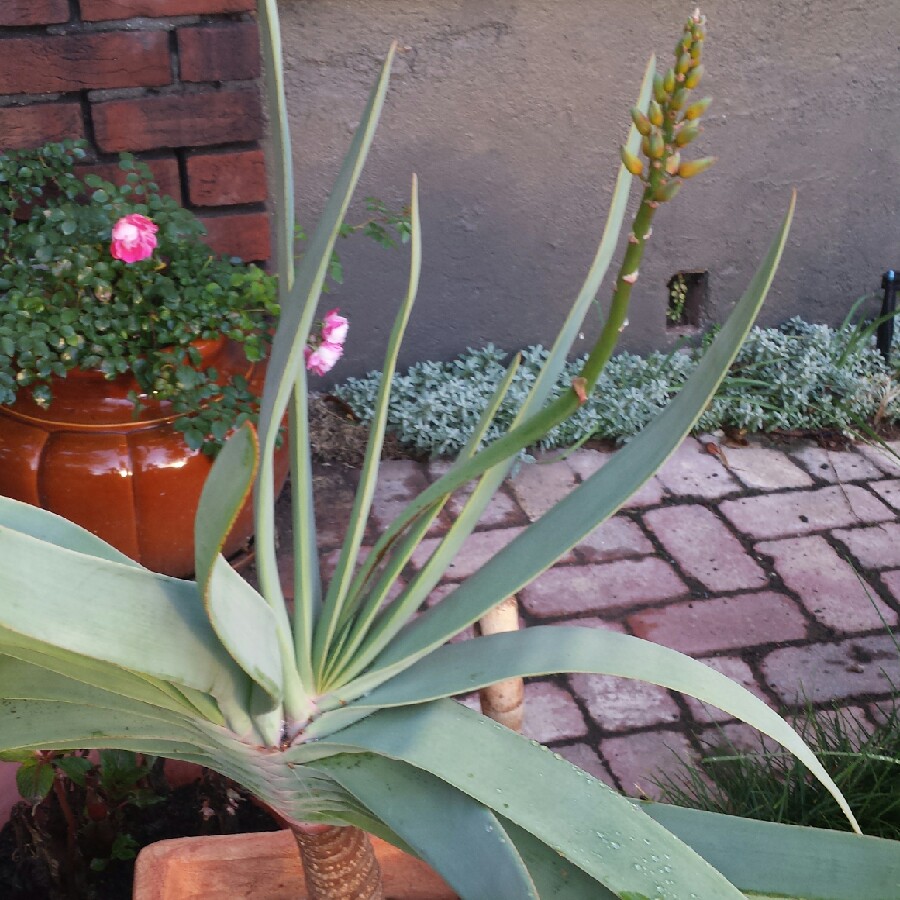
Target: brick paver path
[{"x": 779, "y": 569}]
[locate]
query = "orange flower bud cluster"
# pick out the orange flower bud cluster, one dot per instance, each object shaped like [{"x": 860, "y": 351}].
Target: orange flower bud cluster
[{"x": 672, "y": 120}]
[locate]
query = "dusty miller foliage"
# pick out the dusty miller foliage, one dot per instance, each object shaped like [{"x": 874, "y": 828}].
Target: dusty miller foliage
[{"x": 798, "y": 376}]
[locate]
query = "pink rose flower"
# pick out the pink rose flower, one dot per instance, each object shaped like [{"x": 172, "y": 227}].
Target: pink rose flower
[
  {"x": 334, "y": 328},
  {"x": 133, "y": 238},
  {"x": 323, "y": 358}
]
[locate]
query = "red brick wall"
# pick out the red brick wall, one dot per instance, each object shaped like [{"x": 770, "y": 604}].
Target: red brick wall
[{"x": 174, "y": 81}]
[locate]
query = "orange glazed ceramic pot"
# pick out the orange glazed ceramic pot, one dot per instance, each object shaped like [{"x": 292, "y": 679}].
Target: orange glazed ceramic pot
[{"x": 131, "y": 480}]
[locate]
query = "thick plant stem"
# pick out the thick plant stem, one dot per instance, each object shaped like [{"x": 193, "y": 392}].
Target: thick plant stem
[
  {"x": 504, "y": 702},
  {"x": 339, "y": 864}
]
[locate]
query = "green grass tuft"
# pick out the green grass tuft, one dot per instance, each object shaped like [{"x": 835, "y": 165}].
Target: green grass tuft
[{"x": 773, "y": 786}]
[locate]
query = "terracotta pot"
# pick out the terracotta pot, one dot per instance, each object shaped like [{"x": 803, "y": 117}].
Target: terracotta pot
[
  {"x": 131, "y": 480},
  {"x": 261, "y": 867}
]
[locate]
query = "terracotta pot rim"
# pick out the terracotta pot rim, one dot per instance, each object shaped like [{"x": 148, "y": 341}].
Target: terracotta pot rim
[
  {"x": 162, "y": 866},
  {"x": 136, "y": 425},
  {"x": 118, "y": 413}
]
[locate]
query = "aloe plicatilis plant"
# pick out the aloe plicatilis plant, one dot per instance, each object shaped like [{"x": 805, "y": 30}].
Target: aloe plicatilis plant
[{"x": 337, "y": 714}]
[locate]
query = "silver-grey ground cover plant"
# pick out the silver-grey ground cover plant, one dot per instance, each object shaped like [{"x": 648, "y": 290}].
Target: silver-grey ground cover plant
[{"x": 337, "y": 713}]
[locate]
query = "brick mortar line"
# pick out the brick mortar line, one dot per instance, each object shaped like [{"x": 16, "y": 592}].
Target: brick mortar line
[
  {"x": 692, "y": 728},
  {"x": 215, "y": 212},
  {"x": 77, "y": 25},
  {"x": 24, "y": 101},
  {"x": 697, "y": 590},
  {"x": 776, "y": 582},
  {"x": 26, "y": 31},
  {"x": 749, "y": 544},
  {"x": 135, "y": 92},
  {"x": 594, "y": 733},
  {"x": 132, "y": 26}
]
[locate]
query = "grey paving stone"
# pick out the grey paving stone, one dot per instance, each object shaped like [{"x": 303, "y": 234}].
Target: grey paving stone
[
  {"x": 891, "y": 581},
  {"x": 541, "y": 485},
  {"x": 692, "y": 472},
  {"x": 551, "y": 714},
  {"x": 737, "y": 670},
  {"x": 568, "y": 590},
  {"x": 887, "y": 457},
  {"x": 765, "y": 469},
  {"x": 501, "y": 512},
  {"x": 622, "y": 704},
  {"x": 827, "y": 586},
  {"x": 591, "y": 622},
  {"x": 836, "y": 466},
  {"x": 851, "y": 668},
  {"x": 873, "y": 547},
  {"x": 723, "y": 739},
  {"x": 617, "y": 538},
  {"x": 635, "y": 759},
  {"x": 703, "y": 546},
  {"x": 804, "y": 512},
  {"x": 889, "y": 491},
  {"x": 477, "y": 549},
  {"x": 399, "y": 482},
  {"x": 722, "y": 623}
]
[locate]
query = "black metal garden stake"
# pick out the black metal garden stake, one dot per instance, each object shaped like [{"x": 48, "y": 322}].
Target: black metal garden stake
[{"x": 888, "y": 308}]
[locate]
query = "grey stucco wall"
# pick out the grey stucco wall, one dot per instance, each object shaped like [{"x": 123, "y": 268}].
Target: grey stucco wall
[{"x": 512, "y": 113}]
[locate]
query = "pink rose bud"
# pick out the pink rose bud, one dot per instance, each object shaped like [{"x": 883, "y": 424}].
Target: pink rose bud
[
  {"x": 323, "y": 358},
  {"x": 133, "y": 238},
  {"x": 334, "y": 328}
]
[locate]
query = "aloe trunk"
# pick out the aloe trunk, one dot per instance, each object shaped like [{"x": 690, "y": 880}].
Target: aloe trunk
[{"x": 339, "y": 863}]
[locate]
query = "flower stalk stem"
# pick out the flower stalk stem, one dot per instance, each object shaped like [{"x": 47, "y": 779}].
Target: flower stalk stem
[{"x": 617, "y": 319}]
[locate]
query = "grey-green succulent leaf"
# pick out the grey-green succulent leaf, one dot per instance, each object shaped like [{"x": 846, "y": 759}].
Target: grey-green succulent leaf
[
  {"x": 486, "y": 761},
  {"x": 286, "y": 364},
  {"x": 118, "y": 613},
  {"x": 339, "y": 589},
  {"x": 553, "y": 875},
  {"x": 106, "y": 676},
  {"x": 243, "y": 622},
  {"x": 424, "y": 810},
  {"x": 775, "y": 860},
  {"x": 461, "y": 668},
  {"x": 47, "y": 526}
]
